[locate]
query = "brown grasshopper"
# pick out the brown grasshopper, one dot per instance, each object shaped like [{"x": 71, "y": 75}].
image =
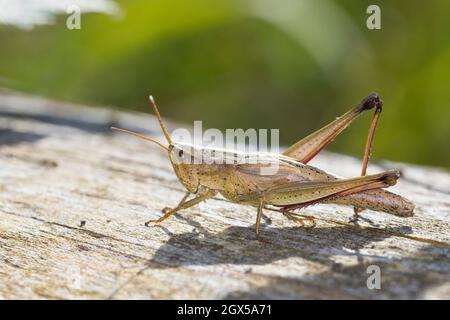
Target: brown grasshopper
[{"x": 295, "y": 184}]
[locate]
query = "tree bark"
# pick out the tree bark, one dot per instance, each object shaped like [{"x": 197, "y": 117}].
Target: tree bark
[{"x": 74, "y": 197}]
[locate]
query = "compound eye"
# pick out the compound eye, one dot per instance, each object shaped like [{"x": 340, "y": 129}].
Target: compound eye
[{"x": 180, "y": 153}]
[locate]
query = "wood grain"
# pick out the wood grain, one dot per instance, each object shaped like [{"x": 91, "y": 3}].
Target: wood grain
[{"x": 74, "y": 197}]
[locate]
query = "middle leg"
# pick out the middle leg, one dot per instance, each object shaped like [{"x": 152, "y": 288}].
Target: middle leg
[{"x": 258, "y": 217}]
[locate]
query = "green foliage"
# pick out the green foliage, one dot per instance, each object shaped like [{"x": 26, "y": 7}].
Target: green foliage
[{"x": 293, "y": 65}]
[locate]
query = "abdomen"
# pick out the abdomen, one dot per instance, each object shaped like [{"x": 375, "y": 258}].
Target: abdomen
[{"x": 378, "y": 200}]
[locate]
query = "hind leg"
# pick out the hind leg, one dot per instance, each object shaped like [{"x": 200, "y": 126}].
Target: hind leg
[
  {"x": 300, "y": 219},
  {"x": 367, "y": 153},
  {"x": 308, "y": 147}
]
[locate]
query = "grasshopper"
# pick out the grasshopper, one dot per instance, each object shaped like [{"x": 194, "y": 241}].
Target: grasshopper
[{"x": 295, "y": 184}]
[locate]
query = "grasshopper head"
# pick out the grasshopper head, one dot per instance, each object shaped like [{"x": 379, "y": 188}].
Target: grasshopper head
[{"x": 182, "y": 157}]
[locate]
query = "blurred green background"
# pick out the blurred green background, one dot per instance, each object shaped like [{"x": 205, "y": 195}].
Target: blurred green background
[{"x": 290, "y": 64}]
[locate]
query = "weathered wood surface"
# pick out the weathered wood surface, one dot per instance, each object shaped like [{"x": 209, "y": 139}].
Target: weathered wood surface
[{"x": 74, "y": 197}]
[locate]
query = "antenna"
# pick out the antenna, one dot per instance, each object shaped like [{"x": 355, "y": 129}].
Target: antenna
[
  {"x": 163, "y": 127},
  {"x": 140, "y": 136}
]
